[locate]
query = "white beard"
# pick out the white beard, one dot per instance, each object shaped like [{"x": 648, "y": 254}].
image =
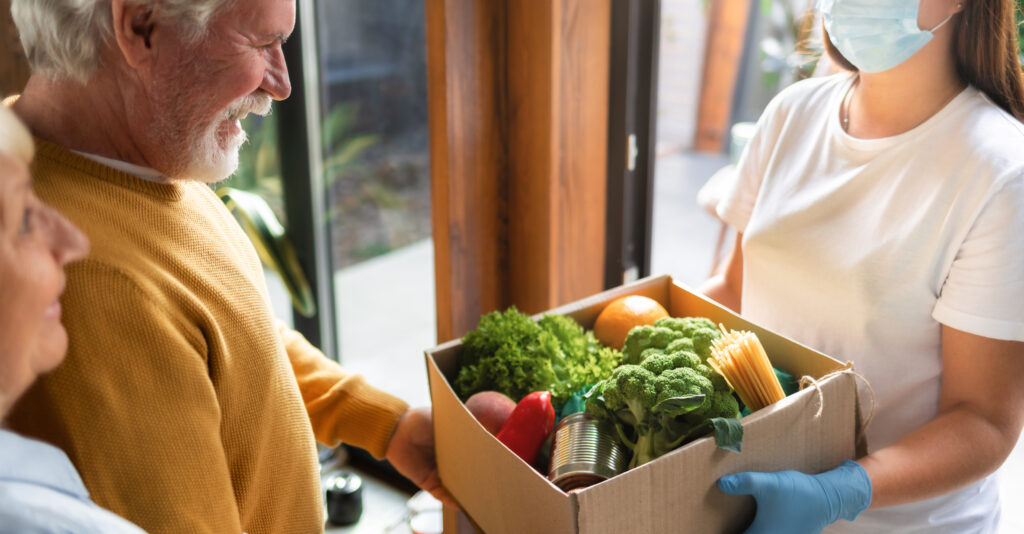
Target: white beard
[
  {"x": 202, "y": 157},
  {"x": 208, "y": 161}
]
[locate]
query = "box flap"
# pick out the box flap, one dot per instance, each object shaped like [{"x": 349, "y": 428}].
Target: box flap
[{"x": 585, "y": 311}]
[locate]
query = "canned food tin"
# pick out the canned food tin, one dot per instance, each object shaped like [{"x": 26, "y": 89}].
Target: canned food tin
[{"x": 585, "y": 451}]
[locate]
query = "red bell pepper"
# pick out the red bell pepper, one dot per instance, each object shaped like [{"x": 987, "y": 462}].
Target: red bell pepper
[{"x": 529, "y": 425}]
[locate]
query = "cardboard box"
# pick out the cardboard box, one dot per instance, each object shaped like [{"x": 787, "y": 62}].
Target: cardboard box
[{"x": 677, "y": 492}]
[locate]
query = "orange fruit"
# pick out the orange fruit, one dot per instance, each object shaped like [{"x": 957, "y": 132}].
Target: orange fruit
[{"x": 622, "y": 314}]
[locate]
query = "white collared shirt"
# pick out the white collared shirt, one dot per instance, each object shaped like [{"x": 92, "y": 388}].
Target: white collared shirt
[
  {"x": 41, "y": 493},
  {"x": 138, "y": 171}
]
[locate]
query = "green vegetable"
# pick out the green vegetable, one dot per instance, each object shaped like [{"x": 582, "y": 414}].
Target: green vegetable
[
  {"x": 587, "y": 359},
  {"x": 688, "y": 333},
  {"x": 510, "y": 353},
  {"x": 664, "y": 394},
  {"x": 577, "y": 403}
]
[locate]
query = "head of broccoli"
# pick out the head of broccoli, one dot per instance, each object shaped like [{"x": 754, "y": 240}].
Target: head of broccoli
[{"x": 664, "y": 394}]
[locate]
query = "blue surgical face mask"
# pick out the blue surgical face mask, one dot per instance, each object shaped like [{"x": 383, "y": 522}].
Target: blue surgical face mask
[{"x": 875, "y": 35}]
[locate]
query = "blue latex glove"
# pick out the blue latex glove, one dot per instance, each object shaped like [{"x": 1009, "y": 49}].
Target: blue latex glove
[{"x": 790, "y": 502}]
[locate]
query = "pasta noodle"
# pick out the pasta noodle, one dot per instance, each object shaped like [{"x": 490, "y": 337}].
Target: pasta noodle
[{"x": 740, "y": 358}]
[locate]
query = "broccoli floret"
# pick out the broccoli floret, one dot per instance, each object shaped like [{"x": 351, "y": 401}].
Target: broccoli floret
[
  {"x": 680, "y": 344},
  {"x": 681, "y": 382},
  {"x": 685, "y": 358},
  {"x": 653, "y": 351},
  {"x": 658, "y": 363},
  {"x": 630, "y": 388},
  {"x": 703, "y": 340},
  {"x": 700, "y": 330},
  {"x": 686, "y": 325},
  {"x": 717, "y": 380},
  {"x": 644, "y": 337},
  {"x": 718, "y": 404}
]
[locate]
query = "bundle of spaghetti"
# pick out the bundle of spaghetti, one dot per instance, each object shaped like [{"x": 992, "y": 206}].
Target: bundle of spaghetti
[{"x": 740, "y": 358}]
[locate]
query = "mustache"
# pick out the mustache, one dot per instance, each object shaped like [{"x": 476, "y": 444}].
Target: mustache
[{"x": 258, "y": 104}]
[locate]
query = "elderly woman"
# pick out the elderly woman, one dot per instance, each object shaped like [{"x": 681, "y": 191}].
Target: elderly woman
[{"x": 40, "y": 491}]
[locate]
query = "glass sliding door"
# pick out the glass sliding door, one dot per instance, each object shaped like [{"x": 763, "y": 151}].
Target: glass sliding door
[
  {"x": 343, "y": 164},
  {"x": 376, "y": 187}
]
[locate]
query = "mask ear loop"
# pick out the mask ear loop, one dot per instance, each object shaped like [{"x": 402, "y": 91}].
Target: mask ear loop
[{"x": 943, "y": 23}]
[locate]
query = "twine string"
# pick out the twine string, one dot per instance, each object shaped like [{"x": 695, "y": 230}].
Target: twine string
[{"x": 809, "y": 381}]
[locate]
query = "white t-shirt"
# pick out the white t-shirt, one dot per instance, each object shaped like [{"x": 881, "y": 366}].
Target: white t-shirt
[{"x": 861, "y": 248}]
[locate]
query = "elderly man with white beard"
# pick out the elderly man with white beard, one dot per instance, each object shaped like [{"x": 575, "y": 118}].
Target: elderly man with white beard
[{"x": 183, "y": 403}]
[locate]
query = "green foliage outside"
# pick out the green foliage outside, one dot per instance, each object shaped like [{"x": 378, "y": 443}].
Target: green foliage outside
[
  {"x": 259, "y": 163},
  {"x": 1020, "y": 28}
]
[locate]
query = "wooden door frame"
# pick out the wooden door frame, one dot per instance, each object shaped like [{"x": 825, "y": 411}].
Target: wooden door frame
[{"x": 518, "y": 112}]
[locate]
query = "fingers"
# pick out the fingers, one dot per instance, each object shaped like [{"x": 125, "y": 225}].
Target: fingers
[
  {"x": 746, "y": 483},
  {"x": 432, "y": 485},
  {"x": 442, "y": 495}
]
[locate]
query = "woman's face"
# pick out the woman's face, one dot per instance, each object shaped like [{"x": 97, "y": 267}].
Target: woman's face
[{"x": 35, "y": 244}]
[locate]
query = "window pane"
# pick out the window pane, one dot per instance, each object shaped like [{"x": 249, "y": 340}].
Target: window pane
[
  {"x": 376, "y": 165},
  {"x": 684, "y": 235},
  {"x": 782, "y": 46}
]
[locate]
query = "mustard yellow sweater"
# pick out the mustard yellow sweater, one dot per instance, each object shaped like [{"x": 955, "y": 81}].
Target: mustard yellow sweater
[{"x": 182, "y": 402}]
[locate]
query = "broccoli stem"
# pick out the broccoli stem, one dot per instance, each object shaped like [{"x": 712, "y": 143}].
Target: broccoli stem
[
  {"x": 644, "y": 450},
  {"x": 637, "y": 408},
  {"x": 622, "y": 436}
]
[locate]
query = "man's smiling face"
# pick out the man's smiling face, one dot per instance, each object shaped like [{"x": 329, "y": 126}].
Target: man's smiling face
[{"x": 200, "y": 90}]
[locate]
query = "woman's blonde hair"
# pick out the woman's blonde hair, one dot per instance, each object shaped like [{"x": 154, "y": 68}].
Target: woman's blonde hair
[{"x": 15, "y": 140}]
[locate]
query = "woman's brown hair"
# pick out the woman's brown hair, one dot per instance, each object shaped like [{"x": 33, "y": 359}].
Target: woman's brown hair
[{"x": 986, "y": 50}]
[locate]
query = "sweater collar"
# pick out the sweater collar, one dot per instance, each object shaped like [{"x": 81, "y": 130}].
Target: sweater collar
[{"x": 172, "y": 191}]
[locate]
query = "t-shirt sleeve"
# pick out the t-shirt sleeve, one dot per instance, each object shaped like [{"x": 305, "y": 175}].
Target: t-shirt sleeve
[
  {"x": 984, "y": 291},
  {"x": 737, "y": 202},
  {"x": 341, "y": 405}
]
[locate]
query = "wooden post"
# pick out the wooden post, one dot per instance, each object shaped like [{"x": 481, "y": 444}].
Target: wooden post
[
  {"x": 558, "y": 115},
  {"x": 518, "y": 100},
  {"x": 723, "y": 54},
  {"x": 465, "y": 72}
]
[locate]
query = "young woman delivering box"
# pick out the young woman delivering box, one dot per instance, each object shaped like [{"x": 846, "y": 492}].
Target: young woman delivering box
[{"x": 881, "y": 220}]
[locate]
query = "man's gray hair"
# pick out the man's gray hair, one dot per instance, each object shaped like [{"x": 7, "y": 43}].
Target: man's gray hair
[{"x": 64, "y": 38}]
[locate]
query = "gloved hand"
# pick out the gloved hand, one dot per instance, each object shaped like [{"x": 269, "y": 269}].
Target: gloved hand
[{"x": 790, "y": 502}]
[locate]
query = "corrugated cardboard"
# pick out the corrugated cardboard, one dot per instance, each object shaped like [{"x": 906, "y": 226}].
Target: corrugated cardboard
[{"x": 675, "y": 493}]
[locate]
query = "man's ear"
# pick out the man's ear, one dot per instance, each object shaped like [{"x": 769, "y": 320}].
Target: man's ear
[{"x": 133, "y": 26}]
